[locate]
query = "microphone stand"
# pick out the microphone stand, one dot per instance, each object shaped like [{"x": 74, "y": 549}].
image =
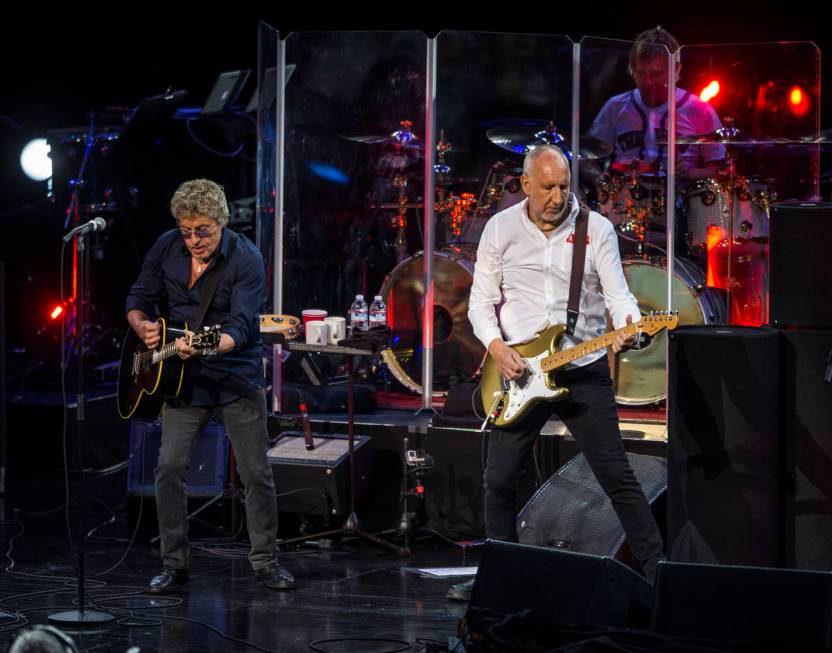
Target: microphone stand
[{"x": 81, "y": 616}]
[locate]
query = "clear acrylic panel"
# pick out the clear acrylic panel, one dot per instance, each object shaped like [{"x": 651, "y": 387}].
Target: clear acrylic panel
[
  {"x": 268, "y": 42},
  {"x": 767, "y": 96},
  {"x": 624, "y": 116},
  {"x": 496, "y": 94},
  {"x": 354, "y": 166}
]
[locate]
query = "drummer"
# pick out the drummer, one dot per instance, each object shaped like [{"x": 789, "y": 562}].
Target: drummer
[{"x": 635, "y": 122}]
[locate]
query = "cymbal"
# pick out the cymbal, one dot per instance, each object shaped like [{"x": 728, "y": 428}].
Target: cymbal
[
  {"x": 737, "y": 137},
  {"x": 386, "y": 139},
  {"x": 522, "y": 136}
]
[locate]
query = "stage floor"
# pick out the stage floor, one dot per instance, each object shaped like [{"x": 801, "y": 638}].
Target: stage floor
[{"x": 356, "y": 591}]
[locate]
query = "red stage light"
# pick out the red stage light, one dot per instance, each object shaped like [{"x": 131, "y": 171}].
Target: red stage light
[
  {"x": 796, "y": 96},
  {"x": 57, "y": 311},
  {"x": 798, "y": 101},
  {"x": 710, "y": 91}
]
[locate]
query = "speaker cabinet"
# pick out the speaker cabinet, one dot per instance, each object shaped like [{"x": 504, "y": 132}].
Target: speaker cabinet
[
  {"x": 207, "y": 474},
  {"x": 723, "y": 445},
  {"x": 562, "y": 586},
  {"x": 571, "y": 511},
  {"x": 807, "y": 403},
  {"x": 800, "y": 277}
]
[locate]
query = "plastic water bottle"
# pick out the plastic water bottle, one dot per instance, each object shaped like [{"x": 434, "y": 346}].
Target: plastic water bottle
[
  {"x": 378, "y": 312},
  {"x": 359, "y": 314}
]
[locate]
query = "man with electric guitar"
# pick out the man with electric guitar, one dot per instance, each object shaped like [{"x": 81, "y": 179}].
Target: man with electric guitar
[
  {"x": 523, "y": 289},
  {"x": 202, "y": 273}
]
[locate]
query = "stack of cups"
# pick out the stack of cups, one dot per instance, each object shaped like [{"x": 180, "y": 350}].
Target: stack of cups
[{"x": 315, "y": 327}]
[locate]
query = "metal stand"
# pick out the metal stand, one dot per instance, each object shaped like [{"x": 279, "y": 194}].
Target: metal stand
[
  {"x": 352, "y": 525},
  {"x": 81, "y": 616}
]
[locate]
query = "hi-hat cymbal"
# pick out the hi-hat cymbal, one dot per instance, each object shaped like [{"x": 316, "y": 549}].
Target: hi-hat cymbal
[{"x": 522, "y": 136}]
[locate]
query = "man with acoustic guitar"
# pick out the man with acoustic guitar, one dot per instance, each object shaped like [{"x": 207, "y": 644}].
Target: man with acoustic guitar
[
  {"x": 524, "y": 267},
  {"x": 203, "y": 273}
]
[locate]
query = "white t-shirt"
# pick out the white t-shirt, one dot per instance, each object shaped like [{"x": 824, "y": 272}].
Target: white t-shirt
[
  {"x": 524, "y": 276},
  {"x": 633, "y": 128}
]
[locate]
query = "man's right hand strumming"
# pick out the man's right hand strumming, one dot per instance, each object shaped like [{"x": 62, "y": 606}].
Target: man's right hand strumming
[
  {"x": 509, "y": 362},
  {"x": 148, "y": 332},
  {"x": 146, "y": 329}
]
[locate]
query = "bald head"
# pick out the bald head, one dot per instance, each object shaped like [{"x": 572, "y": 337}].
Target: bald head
[
  {"x": 542, "y": 150},
  {"x": 546, "y": 181}
]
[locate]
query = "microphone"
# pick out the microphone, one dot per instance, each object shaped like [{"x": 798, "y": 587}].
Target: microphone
[{"x": 96, "y": 224}]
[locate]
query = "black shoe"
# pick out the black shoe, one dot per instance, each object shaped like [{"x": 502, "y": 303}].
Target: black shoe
[
  {"x": 461, "y": 592},
  {"x": 275, "y": 577},
  {"x": 170, "y": 580}
]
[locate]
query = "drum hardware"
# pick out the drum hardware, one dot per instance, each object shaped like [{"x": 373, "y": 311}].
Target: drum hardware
[
  {"x": 442, "y": 170},
  {"x": 463, "y": 207},
  {"x": 400, "y": 220},
  {"x": 636, "y": 223}
]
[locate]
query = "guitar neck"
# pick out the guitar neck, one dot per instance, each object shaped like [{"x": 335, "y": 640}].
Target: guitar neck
[
  {"x": 166, "y": 351},
  {"x": 561, "y": 358}
]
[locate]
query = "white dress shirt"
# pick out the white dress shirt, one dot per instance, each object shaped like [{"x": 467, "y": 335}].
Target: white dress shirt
[{"x": 521, "y": 280}]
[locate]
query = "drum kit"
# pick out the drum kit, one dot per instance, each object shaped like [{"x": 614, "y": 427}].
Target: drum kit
[{"x": 721, "y": 276}]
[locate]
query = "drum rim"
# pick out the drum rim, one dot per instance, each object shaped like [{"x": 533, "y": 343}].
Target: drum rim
[
  {"x": 692, "y": 286},
  {"x": 388, "y": 355}
]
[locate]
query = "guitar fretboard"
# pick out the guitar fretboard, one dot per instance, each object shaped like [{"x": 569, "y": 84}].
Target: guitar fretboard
[
  {"x": 165, "y": 352},
  {"x": 561, "y": 358},
  {"x": 146, "y": 359}
]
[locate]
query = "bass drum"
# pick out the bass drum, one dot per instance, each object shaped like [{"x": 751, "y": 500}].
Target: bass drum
[
  {"x": 455, "y": 348},
  {"x": 639, "y": 376}
]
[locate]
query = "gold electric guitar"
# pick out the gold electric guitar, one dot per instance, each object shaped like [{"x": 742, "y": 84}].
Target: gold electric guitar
[{"x": 506, "y": 401}]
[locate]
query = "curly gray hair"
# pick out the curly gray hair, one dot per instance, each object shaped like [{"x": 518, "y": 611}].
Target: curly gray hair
[{"x": 200, "y": 197}]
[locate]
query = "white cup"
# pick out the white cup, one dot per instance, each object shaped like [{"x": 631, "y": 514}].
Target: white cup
[
  {"x": 317, "y": 333},
  {"x": 337, "y": 329}
]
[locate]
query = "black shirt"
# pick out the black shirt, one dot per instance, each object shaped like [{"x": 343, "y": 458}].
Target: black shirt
[{"x": 162, "y": 291}]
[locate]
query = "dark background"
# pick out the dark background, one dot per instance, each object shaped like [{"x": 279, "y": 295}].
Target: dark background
[{"x": 56, "y": 68}]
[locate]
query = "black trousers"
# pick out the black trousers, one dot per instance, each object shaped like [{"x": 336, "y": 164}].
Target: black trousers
[{"x": 592, "y": 418}]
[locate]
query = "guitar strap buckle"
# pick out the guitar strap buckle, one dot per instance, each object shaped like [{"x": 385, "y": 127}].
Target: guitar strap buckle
[{"x": 571, "y": 321}]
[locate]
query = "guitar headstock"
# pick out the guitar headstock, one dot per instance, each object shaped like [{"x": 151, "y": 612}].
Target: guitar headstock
[
  {"x": 288, "y": 325},
  {"x": 655, "y": 321},
  {"x": 208, "y": 338}
]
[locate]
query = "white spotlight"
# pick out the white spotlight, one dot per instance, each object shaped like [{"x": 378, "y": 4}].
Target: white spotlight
[{"x": 35, "y": 161}]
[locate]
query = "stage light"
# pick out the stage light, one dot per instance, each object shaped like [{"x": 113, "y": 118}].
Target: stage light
[
  {"x": 57, "y": 311},
  {"x": 710, "y": 91},
  {"x": 328, "y": 172},
  {"x": 35, "y": 161},
  {"x": 798, "y": 101},
  {"x": 796, "y": 96}
]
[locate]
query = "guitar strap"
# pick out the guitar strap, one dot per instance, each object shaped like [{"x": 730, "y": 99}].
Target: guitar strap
[
  {"x": 578, "y": 257},
  {"x": 211, "y": 281}
]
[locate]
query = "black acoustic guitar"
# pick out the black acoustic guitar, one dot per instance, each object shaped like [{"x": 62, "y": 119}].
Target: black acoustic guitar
[{"x": 146, "y": 377}]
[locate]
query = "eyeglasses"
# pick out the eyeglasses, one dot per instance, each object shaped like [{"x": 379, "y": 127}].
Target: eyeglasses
[{"x": 200, "y": 232}]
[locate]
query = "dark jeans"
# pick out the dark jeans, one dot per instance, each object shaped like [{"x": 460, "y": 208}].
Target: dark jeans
[
  {"x": 591, "y": 416},
  {"x": 245, "y": 422}
]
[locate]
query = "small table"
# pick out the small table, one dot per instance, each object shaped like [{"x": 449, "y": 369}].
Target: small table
[{"x": 351, "y": 525}]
